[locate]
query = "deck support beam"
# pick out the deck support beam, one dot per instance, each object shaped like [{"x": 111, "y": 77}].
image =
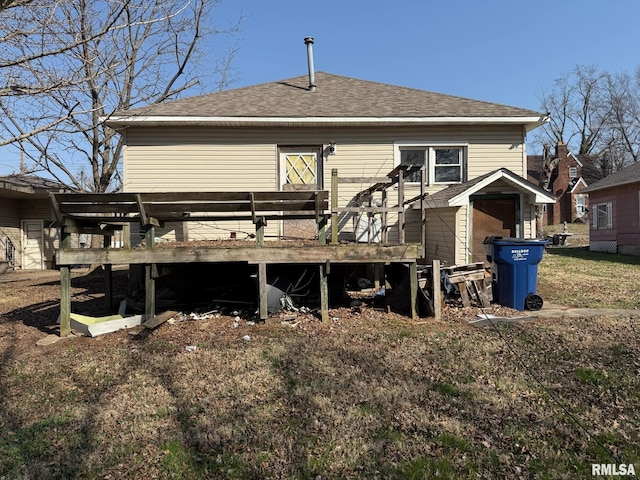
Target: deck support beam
[
  {"x": 324, "y": 291},
  {"x": 262, "y": 292},
  {"x": 437, "y": 292},
  {"x": 65, "y": 288},
  {"x": 150, "y": 274},
  {"x": 413, "y": 280},
  {"x": 108, "y": 278}
]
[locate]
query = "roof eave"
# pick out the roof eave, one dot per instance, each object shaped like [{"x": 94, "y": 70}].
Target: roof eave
[
  {"x": 540, "y": 196},
  {"x": 155, "y": 121}
]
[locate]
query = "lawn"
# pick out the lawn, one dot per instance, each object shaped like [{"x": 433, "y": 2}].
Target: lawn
[{"x": 361, "y": 396}]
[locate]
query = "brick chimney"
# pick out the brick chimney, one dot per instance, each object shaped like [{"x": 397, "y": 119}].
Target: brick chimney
[
  {"x": 561, "y": 150},
  {"x": 560, "y": 185}
]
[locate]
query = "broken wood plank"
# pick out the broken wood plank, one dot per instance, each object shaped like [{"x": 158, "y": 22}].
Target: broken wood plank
[{"x": 159, "y": 319}]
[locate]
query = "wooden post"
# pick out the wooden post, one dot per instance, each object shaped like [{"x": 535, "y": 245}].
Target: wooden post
[
  {"x": 400, "y": 207},
  {"x": 65, "y": 301},
  {"x": 321, "y": 222},
  {"x": 149, "y": 275},
  {"x": 260, "y": 224},
  {"x": 423, "y": 215},
  {"x": 262, "y": 291},
  {"x": 324, "y": 291},
  {"x": 65, "y": 287},
  {"x": 384, "y": 219},
  {"x": 334, "y": 206},
  {"x": 108, "y": 278},
  {"x": 413, "y": 279},
  {"x": 437, "y": 293},
  {"x": 126, "y": 236}
]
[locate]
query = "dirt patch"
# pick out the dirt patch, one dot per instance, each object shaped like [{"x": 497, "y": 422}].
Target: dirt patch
[{"x": 29, "y": 309}]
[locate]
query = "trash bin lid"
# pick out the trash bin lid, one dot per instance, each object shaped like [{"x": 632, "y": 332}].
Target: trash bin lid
[{"x": 517, "y": 241}]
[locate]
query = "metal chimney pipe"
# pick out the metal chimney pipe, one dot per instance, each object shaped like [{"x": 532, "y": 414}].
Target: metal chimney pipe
[{"x": 308, "y": 41}]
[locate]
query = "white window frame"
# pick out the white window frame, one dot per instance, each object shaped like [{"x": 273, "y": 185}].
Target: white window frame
[
  {"x": 581, "y": 204},
  {"x": 430, "y": 148},
  {"x": 607, "y": 209},
  {"x": 573, "y": 172}
]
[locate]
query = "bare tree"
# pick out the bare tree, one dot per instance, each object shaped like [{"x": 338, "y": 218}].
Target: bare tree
[
  {"x": 549, "y": 164},
  {"x": 579, "y": 110},
  {"x": 598, "y": 113},
  {"x": 623, "y": 95},
  {"x": 70, "y": 64}
]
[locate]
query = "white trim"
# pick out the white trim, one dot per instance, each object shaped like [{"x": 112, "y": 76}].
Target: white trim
[
  {"x": 430, "y": 170},
  {"x": 129, "y": 120},
  {"x": 580, "y": 180},
  {"x": 609, "y": 215},
  {"x": 463, "y": 198},
  {"x": 23, "y": 241}
]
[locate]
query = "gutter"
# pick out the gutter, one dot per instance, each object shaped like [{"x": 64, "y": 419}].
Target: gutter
[{"x": 153, "y": 121}]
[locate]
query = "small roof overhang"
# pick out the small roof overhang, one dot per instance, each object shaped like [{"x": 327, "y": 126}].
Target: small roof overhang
[
  {"x": 458, "y": 195},
  {"x": 578, "y": 182},
  {"x": 124, "y": 121}
]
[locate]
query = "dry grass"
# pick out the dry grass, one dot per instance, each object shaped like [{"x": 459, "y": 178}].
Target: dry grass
[
  {"x": 361, "y": 396},
  {"x": 576, "y": 277}
]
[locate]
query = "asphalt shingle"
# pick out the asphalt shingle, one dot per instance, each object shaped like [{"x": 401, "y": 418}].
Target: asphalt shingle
[{"x": 335, "y": 96}]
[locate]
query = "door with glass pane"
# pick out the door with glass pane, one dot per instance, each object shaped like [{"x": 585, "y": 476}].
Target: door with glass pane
[
  {"x": 301, "y": 166},
  {"x": 300, "y": 169}
]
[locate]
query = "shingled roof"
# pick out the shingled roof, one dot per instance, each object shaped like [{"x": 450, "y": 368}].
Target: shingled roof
[
  {"x": 21, "y": 185},
  {"x": 336, "y": 97},
  {"x": 627, "y": 175},
  {"x": 590, "y": 172}
]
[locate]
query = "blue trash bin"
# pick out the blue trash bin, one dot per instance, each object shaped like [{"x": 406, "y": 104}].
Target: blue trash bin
[{"x": 514, "y": 267}]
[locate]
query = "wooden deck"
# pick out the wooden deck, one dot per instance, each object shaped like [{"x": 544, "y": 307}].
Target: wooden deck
[{"x": 104, "y": 214}]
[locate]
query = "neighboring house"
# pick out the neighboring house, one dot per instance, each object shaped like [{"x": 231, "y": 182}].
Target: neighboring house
[
  {"x": 295, "y": 131},
  {"x": 27, "y": 234},
  {"x": 615, "y": 212},
  {"x": 572, "y": 173}
]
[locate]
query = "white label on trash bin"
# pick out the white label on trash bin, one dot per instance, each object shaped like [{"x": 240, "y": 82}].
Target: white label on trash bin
[{"x": 519, "y": 254}]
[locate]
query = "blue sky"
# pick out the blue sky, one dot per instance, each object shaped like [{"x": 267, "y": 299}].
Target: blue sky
[{"x": 502, "y": 51}]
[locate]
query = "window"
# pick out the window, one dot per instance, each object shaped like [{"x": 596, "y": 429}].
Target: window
[
  {"x": 573, "y": 172},
  {"x": 580, "y": 205},
  {"x": 411, "y": 157},
  {"x": 444, "y": 164},
  {"x": 602, "y": 215}
]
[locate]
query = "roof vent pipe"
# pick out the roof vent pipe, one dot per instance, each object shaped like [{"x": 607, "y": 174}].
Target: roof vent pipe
[{"x": 308, "y": 41}]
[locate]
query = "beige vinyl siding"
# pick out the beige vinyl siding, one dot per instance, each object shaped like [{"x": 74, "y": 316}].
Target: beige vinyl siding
[
  {"x": 529, "y": 219},
  {"x": 247, "y": 159},
  {"x": 9, "y": 227},
  {"x": 443, "y": 241}
]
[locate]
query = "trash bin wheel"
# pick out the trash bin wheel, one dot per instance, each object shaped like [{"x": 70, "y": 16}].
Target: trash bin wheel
[{"x": 533, "y": 302}]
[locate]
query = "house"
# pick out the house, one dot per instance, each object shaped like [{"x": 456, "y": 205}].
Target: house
[
  {"x": 615, "y": 212},
  {"x": 27, "y": 234},
  {"x": 570, "y": 175},
  {"x": 293, "y": 133}
]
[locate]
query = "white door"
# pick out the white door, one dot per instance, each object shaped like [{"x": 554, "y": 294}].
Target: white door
[{"x": 32, "y": 244}]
